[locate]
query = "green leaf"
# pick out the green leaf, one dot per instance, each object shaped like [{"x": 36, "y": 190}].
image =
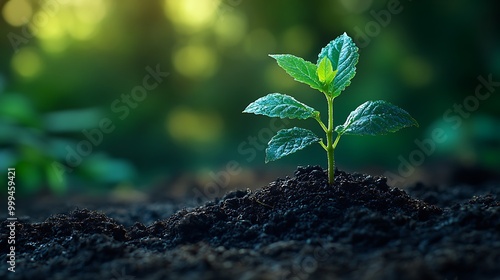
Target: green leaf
[
  {"x": 343, "y": 54},
  {"x": 281, "y": 106},
  {"x": 325, "y": 71},
  {"x": 288, "y": 141},
  {"x": 301, "y": 70},
  {"x": 376, "y": 118}
]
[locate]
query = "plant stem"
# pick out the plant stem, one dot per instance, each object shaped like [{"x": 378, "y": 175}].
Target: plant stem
[
  {"x": 322, "y": 144},
  {"x": 325, "y": 129},
  {"x": 336, "y": 141},
  {"x": 329, "y": 142}
]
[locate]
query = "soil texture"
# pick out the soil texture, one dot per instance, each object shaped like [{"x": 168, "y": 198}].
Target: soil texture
[{"x": 294, "y": 228}]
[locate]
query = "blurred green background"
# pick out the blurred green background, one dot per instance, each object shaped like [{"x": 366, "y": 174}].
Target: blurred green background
[{"x": 65, "y": 67}]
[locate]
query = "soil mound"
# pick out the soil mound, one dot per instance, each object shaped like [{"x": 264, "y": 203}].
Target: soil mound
[{"x": 294, "y": 228}]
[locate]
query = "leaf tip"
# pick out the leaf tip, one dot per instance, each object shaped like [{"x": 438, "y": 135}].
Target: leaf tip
[
  {"x": 268, "y": 158},
  {"x": 247, "y": 109},
  {"x": 415, "y": 123}
]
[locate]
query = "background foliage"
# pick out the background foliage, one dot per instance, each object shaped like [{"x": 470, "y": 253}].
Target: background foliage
[{"x": 63, "y": 63}]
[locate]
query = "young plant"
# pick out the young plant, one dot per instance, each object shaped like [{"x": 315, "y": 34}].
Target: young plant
[{"x": 332, "y": 73}]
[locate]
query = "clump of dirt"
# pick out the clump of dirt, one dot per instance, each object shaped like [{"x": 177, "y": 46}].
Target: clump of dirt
[{"x": 294, "y": 228}]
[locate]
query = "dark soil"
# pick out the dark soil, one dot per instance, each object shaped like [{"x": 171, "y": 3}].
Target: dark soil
[{"x": 294, "y": 228}]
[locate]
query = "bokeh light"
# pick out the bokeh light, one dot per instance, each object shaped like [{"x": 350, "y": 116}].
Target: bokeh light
[
  {"x": 192, "y": 15},
  {"x": 188, "y": 126},
  {"x": 231, "y": 29},
  {"x": 55, "y": 23},
  {"x": 195, "y": 61},
  {"x": 17, "y": 12},
  {"x": 27, "y": 62}
]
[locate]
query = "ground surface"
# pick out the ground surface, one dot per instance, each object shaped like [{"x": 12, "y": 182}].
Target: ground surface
[{"x": 294, "y": 228}]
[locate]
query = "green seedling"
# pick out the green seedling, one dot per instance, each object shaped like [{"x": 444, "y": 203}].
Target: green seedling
[{"x": 332, "y": 73}]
